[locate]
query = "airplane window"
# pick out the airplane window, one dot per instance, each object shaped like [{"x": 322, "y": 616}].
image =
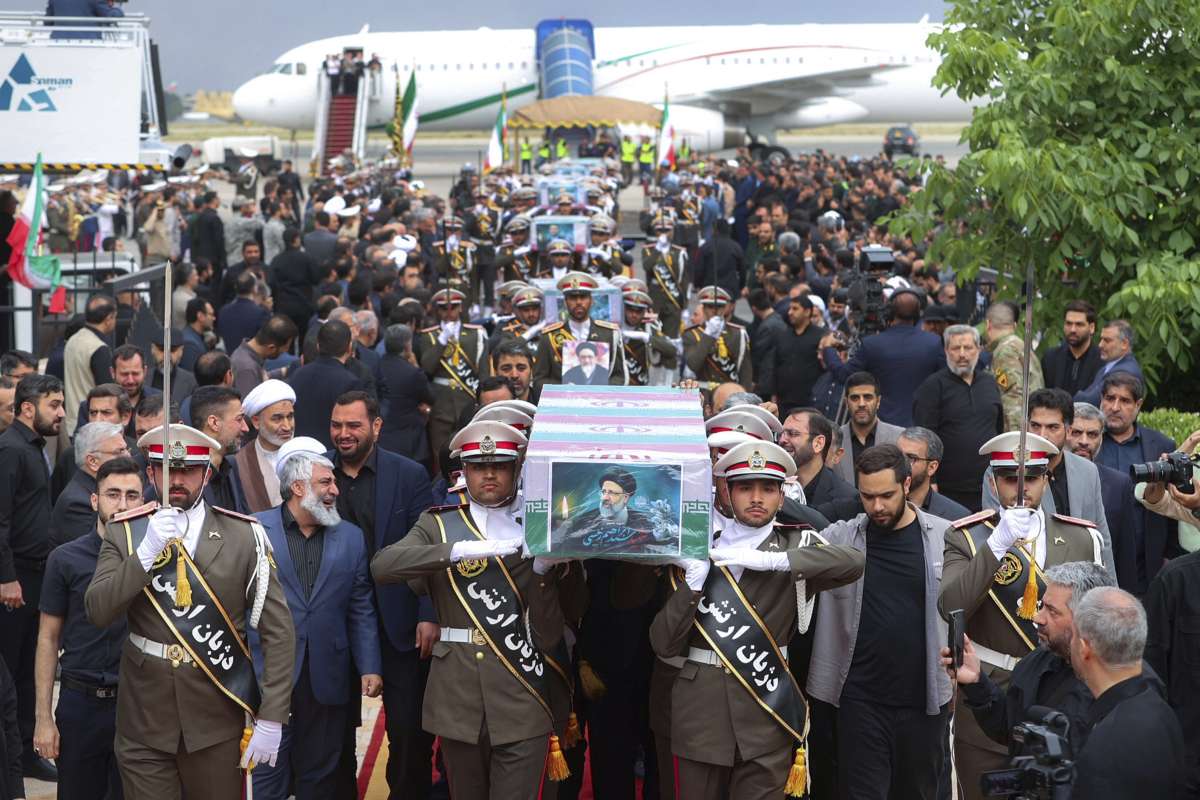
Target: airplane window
[
  {"x": 287, "y": 69},
  {"x": 787, "y": 60},
  {"x": 722, "y": 62},
  {"x": 523, "y": 65},
  {"x": 497, "y": 65},
  {"x": 641, "y": 63},
  {"x": 301, "y": 68},
  {"x": 510, "y": 65}
]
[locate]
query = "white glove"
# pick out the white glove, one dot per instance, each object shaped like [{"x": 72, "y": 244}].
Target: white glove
[
  {"x": 520, "y": 251},
  {"x": 1015, "y": 524},
  {"x": 636, "y": 336},
  {"x": 598, "y": 252},
  {"x": 446, "y": 335},
  {"x": 543, "y": 564},
  {"x": 695, "y": 572},
  {"x": 264, "y": 744},
  {"x": 750, "y": 558},
  {"x": 533, "y": 332},
  {"x": 484, "y": 548},
  {"x": 166, "y": 524},
  {"x": 714, "y": 326}
]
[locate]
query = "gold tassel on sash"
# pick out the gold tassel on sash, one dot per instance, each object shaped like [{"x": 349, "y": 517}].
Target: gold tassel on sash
[
  {"x": 571, "y": 735},
  {"x": 556, "y": 762},
  {"x": 1029, "y": 600},
  {"x": 183, "y": 587},
  {"x": 797, "y": 780},
  {"x": 722, "y": 348},
  {"x": 246, "y": 734},
  {"x": 593, "y": 686}
]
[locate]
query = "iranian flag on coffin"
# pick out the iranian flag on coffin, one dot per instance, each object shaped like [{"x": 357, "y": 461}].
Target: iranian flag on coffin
[
  {"x": 666, "y": 136},
  {"x": 26, "y": 266},
  {"x": 495, "y": 151}
]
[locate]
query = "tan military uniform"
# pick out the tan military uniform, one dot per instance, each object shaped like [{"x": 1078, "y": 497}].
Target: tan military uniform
[
  {"x": 973, "y": 580},
  {"x": 178, "y": 734},
  {"x": 451, "y": 369},
  {"x": 727, "y": 744},
  {"x": 457, "y": 268},
  {"x": 608, "y": 266},
  {"x": 665, "y": 275},
  {"x": 719, "y": 360},
  {"x": 548, "y": 366},
  {"x": 513, "y": 267},
  {"x": 637, "y": 357},
  {"x": 494, "y": 732},
  {"x": 1008, "y": 356}
]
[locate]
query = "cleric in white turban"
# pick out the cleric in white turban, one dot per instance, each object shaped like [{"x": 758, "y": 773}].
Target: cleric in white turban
[{"x": 270, "y": 408}]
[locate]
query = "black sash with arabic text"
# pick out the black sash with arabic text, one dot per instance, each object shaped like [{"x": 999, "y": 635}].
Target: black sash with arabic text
[
  {"x": 492, "y": 601},
  {"x": 204, "y": 629},
  {"x": 456, "y": 363},
  {"x": 662, "y": 274},
  {"x": 724, "y": 365},
  {"x": 735, "y": 631},
  {"x": 1008, "y": 584}
]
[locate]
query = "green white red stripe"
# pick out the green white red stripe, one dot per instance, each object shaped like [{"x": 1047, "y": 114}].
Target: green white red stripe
[
  {"x": 495, "y": 151},
  {"x": 666, "y": 135},
  {"x": 26, "y": 265},
  {"x": 409, "y": 111}
]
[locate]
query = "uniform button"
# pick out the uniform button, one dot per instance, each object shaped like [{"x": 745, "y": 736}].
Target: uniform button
[
  {"x": 479, "y": 656},
  {"x": 725, "y": 670}
]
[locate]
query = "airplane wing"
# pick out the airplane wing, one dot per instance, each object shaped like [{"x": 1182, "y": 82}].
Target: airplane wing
[{"x": 764, "y": 97}]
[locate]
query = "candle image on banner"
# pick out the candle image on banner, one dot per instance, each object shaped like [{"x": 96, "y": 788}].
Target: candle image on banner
[
  {"x": 634, "y": 509},
  {"x": 585, "y": 363}
]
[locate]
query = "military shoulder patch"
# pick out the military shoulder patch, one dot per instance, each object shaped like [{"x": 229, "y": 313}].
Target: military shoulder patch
[
  {"x": 472, "y": 326},
  {"x": 606, "y": 324},
  {"x": 234, "y": 514},
  {"x": 973, "y": 519},
  {"x": 133, "y": 513},
  {"x": 431, "y": 329},
  {"x": 554, "y": 326},
  {"x": 1074, "y": 521},
  {"x": 445, "y": 508},
  {"x": 1002, "y": 380}
]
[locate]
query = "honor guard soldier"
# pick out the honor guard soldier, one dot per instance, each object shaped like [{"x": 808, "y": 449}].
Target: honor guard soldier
[
  {"x": 717, "y": 350},
  {"x": 492, "y": 323},
  {"x": 527, "y": 323},
  {"x": 454, "y": 261},
  {"x": 645, "y": 345},
  {"x": 559, "y": 261},
  {"x": 492, "y": 678},
  {"x": 481, "y": 223},
  {"x": 993, "y": 569},
  {"x": 191, "y": 579},
  {"x": 452, "y": 355},
  {"x": 515, "y": 259},
  {"x": 577, "y": 288},
  {"x": 604, "y": 255},
  {"x": 738, "y": 719},
  {"x": 665, "y": 265}
]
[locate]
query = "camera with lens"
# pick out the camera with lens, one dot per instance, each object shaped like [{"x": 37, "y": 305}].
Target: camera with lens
[
  {"x": 1177, "y": 469},
  {"x": 1041, "y": 769},
  {"x": 864, "y": 284}
]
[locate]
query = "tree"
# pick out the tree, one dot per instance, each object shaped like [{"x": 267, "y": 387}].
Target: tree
[{"x": 1082, "y": 160}]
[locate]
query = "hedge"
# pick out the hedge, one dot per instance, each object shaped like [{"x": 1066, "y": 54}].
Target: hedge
[{"x": 1174, "y": 423}]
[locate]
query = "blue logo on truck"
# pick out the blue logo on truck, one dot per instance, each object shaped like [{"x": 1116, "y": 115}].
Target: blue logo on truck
[{"x": 24, "y": 90}]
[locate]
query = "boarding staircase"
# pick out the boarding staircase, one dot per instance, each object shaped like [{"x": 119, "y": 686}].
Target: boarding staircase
[{"x": 342, "y": 121}]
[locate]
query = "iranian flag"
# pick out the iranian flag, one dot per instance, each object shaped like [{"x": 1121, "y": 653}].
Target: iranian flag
[
  {"x": 408, "y": 105},
  {"x": 495, "y": 151},
  {"x": 666, "y": 136},
  {"x": 26, "y": 265}
]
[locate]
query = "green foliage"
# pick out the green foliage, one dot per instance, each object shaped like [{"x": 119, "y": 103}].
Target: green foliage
[
  {"x": 1082, "y": 161},
  {"x": 1174, "y": 423}
]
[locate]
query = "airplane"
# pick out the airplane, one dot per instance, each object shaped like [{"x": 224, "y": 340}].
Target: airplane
[{"x": 724, "y": 83}]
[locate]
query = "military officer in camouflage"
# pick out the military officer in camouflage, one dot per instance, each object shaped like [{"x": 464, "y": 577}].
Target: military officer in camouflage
[
  {"x": 645, "y": 346},
  {"x": 454, "y": 261},
  {"x": 453, "y": 355},
  {"x": 993, "y": 569},
  {"x": 665, "y": 266},
  {"x": 717, "y": 350},
  {"x": 577, "y": 288},
  {"x": 1008, "y": 357}
]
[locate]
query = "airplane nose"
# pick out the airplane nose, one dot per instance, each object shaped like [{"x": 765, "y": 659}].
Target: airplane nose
[{"x": 251, "y": 100}]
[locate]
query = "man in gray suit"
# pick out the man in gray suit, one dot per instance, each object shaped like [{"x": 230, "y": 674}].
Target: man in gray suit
[
  {"x": 864, "y": 428},
  {"x": 1074, "y": 481}
]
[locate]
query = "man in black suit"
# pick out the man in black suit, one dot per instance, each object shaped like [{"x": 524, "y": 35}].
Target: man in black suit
[
  {"x": 288, "y": 179},
  {"x": 404, "y": 388},
  {"x": 1073, "y": 364},
  {"x": 320, "y": 383},
  {"x": 321, "y": 241},
  {"x": 806, "y": 435},
  {"x": 383, "y": 494},
  {"x": 295, "y": 276},
  {"x": 183, "y": 382},
  {"x": 242, "y": 318},
  {"x": 208, "y": 235},
  {"x": 251, "y": 262},
  {"x": 73, "y": 515}
]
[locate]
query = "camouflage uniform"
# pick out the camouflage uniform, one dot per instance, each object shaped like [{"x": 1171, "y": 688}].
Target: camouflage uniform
[{"x": 1007, "y": 354}]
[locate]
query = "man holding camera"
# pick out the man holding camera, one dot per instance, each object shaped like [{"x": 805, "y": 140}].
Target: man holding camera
[{"x": 994, "y": 567}]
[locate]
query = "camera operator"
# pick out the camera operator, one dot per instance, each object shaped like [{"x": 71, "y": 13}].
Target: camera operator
[
  {"x": 1169, "y": 500},
  {"x": 1135, "y": 746},
  {"x": 1044, "y": 677}
]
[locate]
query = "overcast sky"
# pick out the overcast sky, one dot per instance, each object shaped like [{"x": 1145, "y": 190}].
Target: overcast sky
[{"x": 218, "y": 44}]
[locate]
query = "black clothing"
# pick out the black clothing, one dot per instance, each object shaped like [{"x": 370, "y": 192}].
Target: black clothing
[
  {"x": 311, "y": 750},
  {"x": 18, "y": 646},
  {"x": 403, "y": 387},
  {"x": 1173, "y": 647},
  {"x": 73, "y": 516},
  {"x": 356, "y": 496},
  {"x": 764, "y": 339},
  {"x": 831, "y": 495},
  {"x": 796, "y": 367},
  {"x": 965, "y": 416},
  {"x": 239, "y": 320},
  {"x": 887, "y": 668},
  {"x": 1039, "y": 679},
  {"x": 306, "y": 551},
  {"x": 856, "y": 448},
  {"x": 941, "y": 506},
  {"x": 888, "y": 752},
  {"x": 101, "y": 361},
  {"x": 1058, "y": 485},
  {"x": 827, "y": 395},
  {"x": 24, "y": 504},
  {"x": 87, "y": 728},
  {"x": 225, "y": 488},
  {"x": 295, "y": 275},
  {"x": 721, "y": 262},
  {"x": 183, "y": 383},
  {"x": 12, "y": 781},
  {"x": 1134, "y": 749},
  {"x": 90, "y": 655},
  {"x": 409, "y": 745},
  {"x": 1062, "y": 370},
  {"x": 796, "y": 513},
  {"x": 208, "y": 240},
  {"x": 228, "y": 287},
  {"x": 320, "y": 383}
]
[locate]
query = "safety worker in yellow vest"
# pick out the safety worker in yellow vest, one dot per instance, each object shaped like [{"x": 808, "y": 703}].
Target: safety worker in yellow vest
[
  {"x": 685, "y": 151},
  {"x": 560, "y": 151},
  {"x": 646, "y": 161},
  {"x": 543, "y": 152},
  {"x": 628, "y": 159},
  {"x": 526, "y": 157}
]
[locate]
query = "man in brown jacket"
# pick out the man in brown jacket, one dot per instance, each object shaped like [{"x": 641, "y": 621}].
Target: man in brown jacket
[
  {"x": 736, "y": 711},
  {"x": 491, "y": 687},
  {"x": 187, "y": 685}
]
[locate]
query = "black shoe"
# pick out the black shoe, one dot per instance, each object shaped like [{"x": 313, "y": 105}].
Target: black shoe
[{"x": 42, "y": 769}]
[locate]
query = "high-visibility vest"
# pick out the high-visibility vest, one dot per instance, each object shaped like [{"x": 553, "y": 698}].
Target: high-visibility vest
[
  {"x": 526, "y": 151},
  {"x": 684, "y": 150},
  {"x": 628, "y": 152},
  {"x": 561, "y": 151},
  {"x": 544, "y": 150},
  {"x": 646, "y": 156}
]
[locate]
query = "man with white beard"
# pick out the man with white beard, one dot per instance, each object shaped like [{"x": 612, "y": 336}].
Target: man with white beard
[
  {"x": 271, "y": 409},
  {"x": 331, "y": 606}
]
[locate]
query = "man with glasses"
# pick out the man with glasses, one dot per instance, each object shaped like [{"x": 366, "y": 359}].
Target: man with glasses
[
  {"x": 80, "y": 735},
  {"x": 95, "y": 444},
  {"x": 923, "y": 448},
  {"x": 805, "y": 436}
]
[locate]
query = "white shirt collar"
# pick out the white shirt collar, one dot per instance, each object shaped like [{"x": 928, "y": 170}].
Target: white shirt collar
[
  {"x": 580, "y": 329},
  {"x": 498, "y": 522}
]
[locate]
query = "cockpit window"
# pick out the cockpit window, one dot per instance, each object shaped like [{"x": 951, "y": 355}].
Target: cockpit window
[{"x": 301, "y": 68}]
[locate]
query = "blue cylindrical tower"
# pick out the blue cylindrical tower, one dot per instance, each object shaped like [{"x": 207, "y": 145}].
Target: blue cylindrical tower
[{"x": 565, "y": 48}]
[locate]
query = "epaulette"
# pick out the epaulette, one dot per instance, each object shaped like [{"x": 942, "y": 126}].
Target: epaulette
[
  {"x": 472, "y": 326},
  {"x": 552, "y": 327},
  {"x": 234, "y": 514},
  {"x": 793, "y": 526},
  {"x": 430, "y": 329},
  {"x": 439, "y": 243},
  {"x": 982, "y": 516},
  {"x": 603, "y": 323},
  {"x": 449, "y": 507},
  {"x": 140, "y": 511},
  {"x": 467, "y": 243},
  {"x": 735, "y": 325},
  {"x": 1074, "y": 521}
]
